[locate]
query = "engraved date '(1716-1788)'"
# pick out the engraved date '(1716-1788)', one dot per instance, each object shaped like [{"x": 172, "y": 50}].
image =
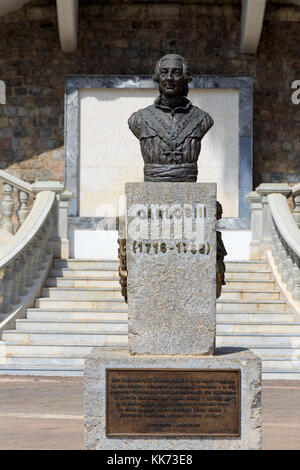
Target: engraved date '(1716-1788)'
[{"x": 163, "y": 247}]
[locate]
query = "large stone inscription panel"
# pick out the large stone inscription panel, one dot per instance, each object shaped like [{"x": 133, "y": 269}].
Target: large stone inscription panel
[
  {"x": 110, "y": 155},
  {"x": 170, "y": 402}
]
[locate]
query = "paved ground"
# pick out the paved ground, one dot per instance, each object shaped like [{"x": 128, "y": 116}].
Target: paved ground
[{"x": 47, "y": 413}]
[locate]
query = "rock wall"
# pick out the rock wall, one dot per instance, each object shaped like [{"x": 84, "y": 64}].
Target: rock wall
[{"x": 124, "y": 37}]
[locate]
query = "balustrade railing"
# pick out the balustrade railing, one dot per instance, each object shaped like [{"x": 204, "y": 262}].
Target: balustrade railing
[
  {"x": 15, "y": 207},
  {"x": 286, "y": 243},
  {"x": 276, "y": 234},
  {"x": 26, "y": 256}
]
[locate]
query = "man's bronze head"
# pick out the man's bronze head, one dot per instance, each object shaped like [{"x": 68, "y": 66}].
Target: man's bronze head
[{"x": 172, "y": 73}]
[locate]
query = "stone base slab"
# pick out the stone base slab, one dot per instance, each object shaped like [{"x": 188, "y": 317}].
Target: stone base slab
[{"x": 101, "y": 359}]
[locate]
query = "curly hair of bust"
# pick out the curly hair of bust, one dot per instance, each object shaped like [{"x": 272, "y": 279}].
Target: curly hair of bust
[{"x": 186, "y": 68}]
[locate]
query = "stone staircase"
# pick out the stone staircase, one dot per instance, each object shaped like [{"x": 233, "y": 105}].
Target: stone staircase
[
  {"x": 82, "y": 307},
  {"x": 251, "y": 313}
]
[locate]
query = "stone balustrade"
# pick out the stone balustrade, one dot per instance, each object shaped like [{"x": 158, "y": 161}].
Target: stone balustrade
[
  {"x": 10, "y": 186},
  {"x": 296, "y": 198},
  {"x": 276, "y": 234},
  {"x": 26, "y": 256}
]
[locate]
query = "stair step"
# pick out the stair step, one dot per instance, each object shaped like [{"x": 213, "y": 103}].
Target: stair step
[
  {"x": 41, "y": 372},
  {"x": 49, "y": 350},
  {"x": 254, "y": 316},
  {"x": 81, "y": 294},
  {"x": 281, "y": 364},
  {"x": 291, "y": 328},
  {"x": 78, "y": 304},
  {"x": 223, "y": 305},
  {"x": 83, "y": 282},
  {"x": 85, "y": 264},
  {"x": 273, "y": 352},
  {"x": 64, "y": 337},
  {"x": 247, "y": 265},
  {"x": 257, "y": 340},
  {"x": 59, "y": 362},
  {"x": 250, "y": 284},
  {"x": 77, "y": 315},
  {"x": 69, "y": 326},
  {"x": 247, "y": 275},
  {"x": 280, "y": 375},
  {"x": 84, "y": 273},
  {"x": 248, "y": 306},
  {"x": 238, "y": 294}
]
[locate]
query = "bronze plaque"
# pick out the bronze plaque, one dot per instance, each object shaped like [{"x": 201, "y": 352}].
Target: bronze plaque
[{"x": 173, "y": 402}]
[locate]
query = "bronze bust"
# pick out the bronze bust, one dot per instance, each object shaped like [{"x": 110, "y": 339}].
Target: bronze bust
[
  {"x": 170, "y": 133},
  {"x": 170, "y": 130}
]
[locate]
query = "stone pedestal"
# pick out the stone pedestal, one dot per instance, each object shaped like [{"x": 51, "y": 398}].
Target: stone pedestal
[
  {"x": 223, "y": 359},
  {"x": 172, "y": 389},
  {"x": 171, "y": 263}
]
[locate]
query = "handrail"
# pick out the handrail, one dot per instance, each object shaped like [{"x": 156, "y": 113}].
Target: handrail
[
  {"x": 16, "y": 182},
  {"x": 26, "y": 259},
  {"x": 41, "y": 208},
  {"x": 26, "y": 256},
  {"x": 285, "y": 221},
  {"x": 276, "y": 235}
]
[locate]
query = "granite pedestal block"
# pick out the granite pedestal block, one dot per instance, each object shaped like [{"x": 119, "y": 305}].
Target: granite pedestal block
[
  {"x": 224, "y": 359},
  {"x": 171, "y": 264}
]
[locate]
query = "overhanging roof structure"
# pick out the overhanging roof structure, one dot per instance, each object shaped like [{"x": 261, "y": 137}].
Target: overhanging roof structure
[{"x": 252, "y": 18}]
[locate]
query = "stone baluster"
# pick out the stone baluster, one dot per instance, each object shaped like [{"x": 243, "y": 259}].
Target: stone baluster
[
  {"x": 290, "y": 267},
  {"x": 296, "y": 198},
  {"x": 277, "y": 249},
  {"x": 28, "y": 267},
  {"x": 274, "y": 243},
  {"x": 23, "y": 271},
  {"x": 281, "y": 258},
  {"x": 6, "y": 290},
  {"x": 15, "y": 273},
  {"x": 289, "y": 270},
  {"x": 7, "y": 208},
  {"x": 36, "y": 247},
  {"x": 43, "y": 242},
  {"x": 23, "y": 210},
  {"x": 59, "y": 235},
  {"x": 285, "y": 264},
  {"x": 255, "y": 202},
  {"x": 33, "y": 269},
  {"x": 63, "y": 210},
  {"x": 296, "y": 279}
]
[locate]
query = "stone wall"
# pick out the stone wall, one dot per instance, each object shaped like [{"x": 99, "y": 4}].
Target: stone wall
[{"x": 123, "y": 37}]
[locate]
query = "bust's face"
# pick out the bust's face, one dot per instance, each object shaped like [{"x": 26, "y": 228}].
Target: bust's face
[{"x": 171, "y": 77}]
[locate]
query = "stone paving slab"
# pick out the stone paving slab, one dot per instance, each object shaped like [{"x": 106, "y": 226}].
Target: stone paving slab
[{"x": 38, "y": 413}]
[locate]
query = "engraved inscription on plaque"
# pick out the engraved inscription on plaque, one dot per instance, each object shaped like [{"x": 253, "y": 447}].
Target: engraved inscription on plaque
[{"x": 172, "y": 402}]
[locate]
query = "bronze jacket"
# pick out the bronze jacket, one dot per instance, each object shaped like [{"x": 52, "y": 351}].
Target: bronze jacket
[{"x": 170, "y": 139}]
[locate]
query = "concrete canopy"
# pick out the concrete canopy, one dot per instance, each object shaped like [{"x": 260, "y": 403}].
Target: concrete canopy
[
  {"x": 7, "y": 6},
  {"x": 252, "y": 17},
  {"x": 67, "y": 14}
]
